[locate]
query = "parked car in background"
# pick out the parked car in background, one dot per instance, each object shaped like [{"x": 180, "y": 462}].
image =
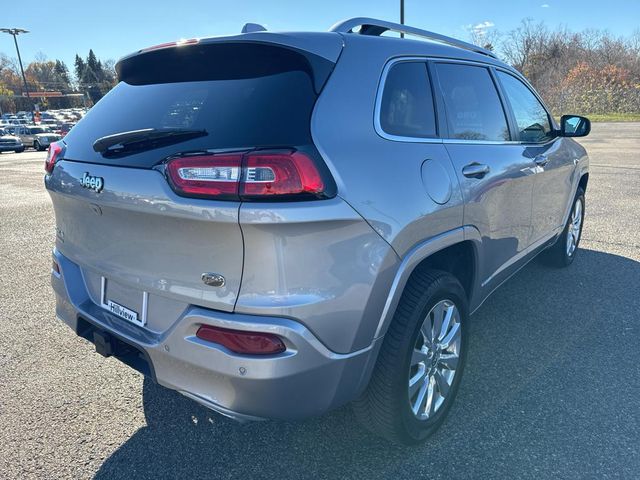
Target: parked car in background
[
  {"x": 65, "y": 128},
  {"x": 10, "y": 143},
  {"x": 50, "y": 123},
  {"x": 37, "y": 137}
]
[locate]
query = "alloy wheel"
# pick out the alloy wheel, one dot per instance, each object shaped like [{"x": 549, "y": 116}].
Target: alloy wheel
[
  {"x": 434, "y": 359},
  {"x": 575, "y": 228}
]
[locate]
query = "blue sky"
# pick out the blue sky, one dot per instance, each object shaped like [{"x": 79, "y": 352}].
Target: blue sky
[{"x": 60, "y": 29}]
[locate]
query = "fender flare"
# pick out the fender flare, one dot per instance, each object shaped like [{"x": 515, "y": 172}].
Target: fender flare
[{"x": 415, "y": 256}]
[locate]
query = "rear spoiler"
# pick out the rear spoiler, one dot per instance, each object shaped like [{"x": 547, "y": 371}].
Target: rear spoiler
[{"x": 184, "y": 60}]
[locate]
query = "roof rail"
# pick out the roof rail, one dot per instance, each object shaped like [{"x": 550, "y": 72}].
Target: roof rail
[{"x": 373, "y": 27}]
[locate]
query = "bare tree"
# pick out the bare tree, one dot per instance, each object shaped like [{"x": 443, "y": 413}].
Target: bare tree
[{"x": 590, "y": 71}]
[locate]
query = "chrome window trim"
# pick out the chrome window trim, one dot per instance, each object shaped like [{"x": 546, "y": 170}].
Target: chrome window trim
[
  {"x": 497, "y": 142},
  {"x": 400, "y": 138},
  {"x": 481, "y": 142}
]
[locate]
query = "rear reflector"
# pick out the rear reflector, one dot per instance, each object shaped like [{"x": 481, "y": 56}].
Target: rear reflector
[
  {"x": 238, "y": 341},
  {"x": 55, "y": 149},
  {"x": 247, "y": 176}
]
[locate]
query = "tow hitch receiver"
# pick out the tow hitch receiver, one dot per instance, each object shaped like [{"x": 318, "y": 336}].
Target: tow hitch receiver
[{"x": 103, "y": 342}]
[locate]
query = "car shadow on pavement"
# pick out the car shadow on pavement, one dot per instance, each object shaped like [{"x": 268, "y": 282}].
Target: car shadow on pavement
[{"x": 536, "y": 399}]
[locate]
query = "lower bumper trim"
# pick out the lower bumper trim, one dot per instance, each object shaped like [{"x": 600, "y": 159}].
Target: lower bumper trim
[{"x": 238, "y": 417}]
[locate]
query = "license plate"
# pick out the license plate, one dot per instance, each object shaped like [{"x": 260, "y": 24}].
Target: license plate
[{"x": 123, "y": 311}]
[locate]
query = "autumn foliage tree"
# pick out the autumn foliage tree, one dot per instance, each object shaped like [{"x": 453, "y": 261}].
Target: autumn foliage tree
[
  {"x": 610, "y": 89},
  {"x": 94, "y": 78},
  {"x": 588, "y": 72}
]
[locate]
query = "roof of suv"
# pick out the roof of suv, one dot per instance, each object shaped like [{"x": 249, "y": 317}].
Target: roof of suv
[{"x": 329, "y": 44}]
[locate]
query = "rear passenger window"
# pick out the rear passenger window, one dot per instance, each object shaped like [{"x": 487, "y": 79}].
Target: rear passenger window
[
  {"x": 474, "y": 110},
  {"x": 531, "y": 117},
  {"x": 407, "y": 104}
]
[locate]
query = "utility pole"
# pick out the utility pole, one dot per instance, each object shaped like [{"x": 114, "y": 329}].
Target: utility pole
[
  {"x": 402, "y": 16},
  {"x": 15, "y": 32}
]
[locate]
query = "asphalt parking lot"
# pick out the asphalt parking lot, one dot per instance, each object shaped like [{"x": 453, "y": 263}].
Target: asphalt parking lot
[{"x": 551, "y": 389}]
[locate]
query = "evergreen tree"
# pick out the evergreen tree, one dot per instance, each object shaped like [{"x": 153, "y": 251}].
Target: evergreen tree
[
  {"x": 79, "y": 67},
  {"x": 93, "y": 64},
  {"x": 62, "y": 75},
  {"x": 93, "y": 77}
]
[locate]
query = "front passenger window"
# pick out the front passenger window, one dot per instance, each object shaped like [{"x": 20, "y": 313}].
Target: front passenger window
[{"x": 531, "y": 117}]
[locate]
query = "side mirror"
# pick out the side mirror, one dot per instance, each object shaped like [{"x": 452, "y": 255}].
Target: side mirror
[{"x": 574, "y": 126}]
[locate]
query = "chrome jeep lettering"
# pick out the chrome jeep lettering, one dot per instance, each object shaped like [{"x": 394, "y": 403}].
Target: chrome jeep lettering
[{"x": 91, "y": 182}]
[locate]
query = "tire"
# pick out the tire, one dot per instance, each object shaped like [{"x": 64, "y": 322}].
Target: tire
[
  {"x": 20, "y": 150},
  {"x": 560, "y": 255},
  {"x": 386, "y": 407},
  {"x": 36, "y": 146}
]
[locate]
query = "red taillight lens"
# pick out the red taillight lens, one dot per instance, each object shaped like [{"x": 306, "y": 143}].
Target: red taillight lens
[
  {"x": 238, "y": 341},
  {"x": 52, "y": 156},
  {"x": 280, "y": 174},
  {"x": 206, "y": 175},
  {"x": 248, "y": 176}
]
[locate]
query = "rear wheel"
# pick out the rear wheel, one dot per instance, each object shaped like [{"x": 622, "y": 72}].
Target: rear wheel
[
  {"x": 563, "y": 252},
  {"x": 37, "y": 146},
  {"x": 420, "y": 363}
]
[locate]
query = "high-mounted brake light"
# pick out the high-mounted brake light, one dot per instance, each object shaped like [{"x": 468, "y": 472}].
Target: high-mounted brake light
[
  {"x": 239, "y": 341},
  {"x": 247, "y": 176},
  {"x": 55, "y": 149},
  {"x": 178, "y": 43}
]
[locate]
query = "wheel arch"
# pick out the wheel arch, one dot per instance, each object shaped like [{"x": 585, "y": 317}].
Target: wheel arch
[
  {"x": 455, "y": 252},
  {"x": 582, "y": 183}
]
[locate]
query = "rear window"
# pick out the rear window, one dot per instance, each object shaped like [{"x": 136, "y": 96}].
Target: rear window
[
  {"x": 407, "y": 104},
  {"x": 243, "y": 96},
  {"x": 473, "y": 107}
]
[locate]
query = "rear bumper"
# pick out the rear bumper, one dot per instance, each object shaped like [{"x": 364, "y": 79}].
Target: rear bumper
[{"x": 305, "y": 380}]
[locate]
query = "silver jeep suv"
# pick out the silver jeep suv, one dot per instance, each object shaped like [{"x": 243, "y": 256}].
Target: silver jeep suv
[{"x": 277, "y": 224}]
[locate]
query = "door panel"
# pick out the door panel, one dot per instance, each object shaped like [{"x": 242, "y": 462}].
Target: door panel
[
  {"x": 552, "y": 161},
  {"x": 498, "y": 204},
  {"x": 496, "y": 179},
  {"x": 552, "y": 188}
]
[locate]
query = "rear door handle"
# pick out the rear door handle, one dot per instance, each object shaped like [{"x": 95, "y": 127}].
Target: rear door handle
[
  {"x": 475, "y": 170},
  {"x": 541, "y": 160}
]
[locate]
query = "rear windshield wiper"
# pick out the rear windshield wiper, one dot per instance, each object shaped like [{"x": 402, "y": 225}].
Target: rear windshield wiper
[{"x": 145, "y": 139}]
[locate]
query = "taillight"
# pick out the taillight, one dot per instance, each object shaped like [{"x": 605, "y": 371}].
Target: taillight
[
  {"x": 280, "y": 174},
  {"x": 206, "y": 175},
  {"x": 247, "y": 176},
  {"x": 55, "y": 149},
  {"x": 239, "y": 341}
]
